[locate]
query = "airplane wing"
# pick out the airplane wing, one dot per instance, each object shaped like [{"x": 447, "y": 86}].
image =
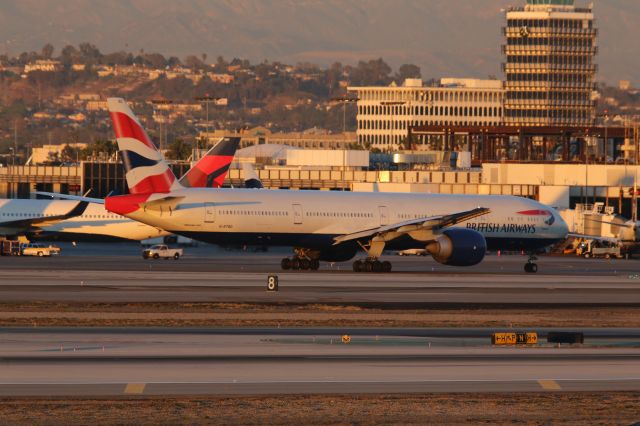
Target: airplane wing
[
  {"x": 47, "y": 220},
  {"x": 422, "y": 229}
]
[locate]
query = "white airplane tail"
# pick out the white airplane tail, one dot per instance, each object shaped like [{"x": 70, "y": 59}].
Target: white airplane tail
[{"x": 146, "y": 170}]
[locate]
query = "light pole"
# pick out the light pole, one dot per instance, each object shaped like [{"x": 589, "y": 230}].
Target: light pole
[
  {"x": 207, "y": 99},
  {"x": 344, "y": 100},
  {"x": 606, "y": 124},
  {"x": 162, "y": 118}
]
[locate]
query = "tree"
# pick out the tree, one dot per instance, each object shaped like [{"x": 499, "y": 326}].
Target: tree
[
  {"x": 69, "y": 54},
  {"x": 408, "y": 71},
  {"x": 47, "y": 51},
  {"x": 372, "y": 73},
  {"x": 178, "y": 150},
  {"x": 194, "y": 62},
  {"x": 68, "y": 153}
]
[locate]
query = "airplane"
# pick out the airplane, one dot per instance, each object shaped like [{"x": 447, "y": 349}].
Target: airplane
[
  {"x": 89, "y": 220},
  {"x": 326, "y": 225},
  {"x": 18, "y": 216}
]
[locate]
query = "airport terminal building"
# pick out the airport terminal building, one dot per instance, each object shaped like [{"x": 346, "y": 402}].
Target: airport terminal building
[{"x": 385, "y": 114}]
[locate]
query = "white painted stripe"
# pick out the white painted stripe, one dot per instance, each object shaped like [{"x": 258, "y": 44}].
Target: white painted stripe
[
  {"x": 136, "y": 175},
  {"x": 131, "y": 144},
  {"x": 121, "y": 106}
]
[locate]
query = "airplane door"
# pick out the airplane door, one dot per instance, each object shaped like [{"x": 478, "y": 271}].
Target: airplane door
[
  {"x": 209, "y": 212},
  {"x": 384, "y": 215},
  {"x": 297, "y": 214}
]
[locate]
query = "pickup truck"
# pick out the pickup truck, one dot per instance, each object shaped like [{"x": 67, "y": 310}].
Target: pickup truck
[
  {"x": 40, "y": 250},
  {"x": 161, "y": 251}
]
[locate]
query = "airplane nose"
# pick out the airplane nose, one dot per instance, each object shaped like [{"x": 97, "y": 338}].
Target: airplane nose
[{"x": 561, "y": 226}]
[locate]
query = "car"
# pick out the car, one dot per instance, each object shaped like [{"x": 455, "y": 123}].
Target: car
[
  {"x": 161, "y": 251},
  {"x": 413, "y": 252},
  {"x": 40, "y": 250}
]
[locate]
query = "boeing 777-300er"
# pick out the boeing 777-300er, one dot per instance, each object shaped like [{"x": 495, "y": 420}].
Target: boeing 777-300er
[
  {"x": 89, "y": 219},
  {"x": 330, "y": 226}
]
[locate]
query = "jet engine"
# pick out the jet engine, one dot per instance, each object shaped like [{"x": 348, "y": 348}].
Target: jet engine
[{"x": 458, "y": 247}]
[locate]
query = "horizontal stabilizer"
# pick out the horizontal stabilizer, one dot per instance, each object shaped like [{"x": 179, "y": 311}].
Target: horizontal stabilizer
[
  {"x": 70, "y": 197},
  {"x": 162, "y": 204}
]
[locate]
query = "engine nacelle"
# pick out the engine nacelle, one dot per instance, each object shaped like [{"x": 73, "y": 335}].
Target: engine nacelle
[{"x": 458, "y": 247}]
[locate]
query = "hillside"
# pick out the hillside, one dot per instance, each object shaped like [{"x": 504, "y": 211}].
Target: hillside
[{"x": 444, "y": 37}]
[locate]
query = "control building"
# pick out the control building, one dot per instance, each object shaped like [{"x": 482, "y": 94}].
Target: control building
[
  {"x": 550, "y": 69},
  {"x": 386, "y": 113}
]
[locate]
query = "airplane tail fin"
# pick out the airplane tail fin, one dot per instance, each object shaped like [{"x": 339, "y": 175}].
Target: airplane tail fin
[
  {"x": 146, "y": 170},
  {"x": 212, "y": 169}
]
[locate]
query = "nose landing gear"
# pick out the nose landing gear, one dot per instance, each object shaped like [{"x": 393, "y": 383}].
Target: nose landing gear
[{"x": 531, "y": 267}]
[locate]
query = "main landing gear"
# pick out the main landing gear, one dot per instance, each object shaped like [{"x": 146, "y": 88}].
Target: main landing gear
[
  {"x": 297, "y": 263},
  {"x": 371, "y": 265},
  {"x": 531, "y": 267},
  {"x": 304, "y": 260}
]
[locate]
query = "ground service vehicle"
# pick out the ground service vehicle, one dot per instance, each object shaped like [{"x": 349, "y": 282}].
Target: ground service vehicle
[
  {"x": 413, "y": 252},
  {"x": 594, "y": 248},
  {"x": 161, "y": 251},
  {"x": 40, "y": 250},
  {"x": 10, "y": 248}
]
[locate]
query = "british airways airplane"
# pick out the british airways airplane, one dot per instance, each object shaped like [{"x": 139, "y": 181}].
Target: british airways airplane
[
  {"x": 88, "y": 219},
  {"x": 326, "y": 226}
]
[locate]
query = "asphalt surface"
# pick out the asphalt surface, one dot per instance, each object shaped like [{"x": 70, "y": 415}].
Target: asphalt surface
[
  {"x": 85, "y": 362},
  {"x": 117, "y": 273}
]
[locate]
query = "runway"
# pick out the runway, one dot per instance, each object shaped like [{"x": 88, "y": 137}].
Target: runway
[
  {"x": 86, "y": 362},
  {"x": 116, "y": 274}
]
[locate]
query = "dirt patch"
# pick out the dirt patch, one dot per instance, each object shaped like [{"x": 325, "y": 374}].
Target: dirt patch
[
  {"x": 237, "y": 315},
  {"x": 522, "y": 408}
]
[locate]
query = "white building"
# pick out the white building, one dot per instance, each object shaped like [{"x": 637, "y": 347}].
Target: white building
[
  {"x": 46, "y": 65},
  {"x": 386, "y": 113},
  {"x": 550, "y": 64}
]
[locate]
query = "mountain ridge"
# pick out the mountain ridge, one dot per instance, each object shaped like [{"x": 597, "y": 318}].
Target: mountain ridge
[{"x": 444, "y": 37}]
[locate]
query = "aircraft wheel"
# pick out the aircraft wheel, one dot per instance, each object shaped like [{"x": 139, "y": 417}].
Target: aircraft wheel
[
  {"x": 295, "y": 264},
  {"x": 534, "y": 268},
  {"x": 357, "y": 266},
  {"x": 315, "y": 264},
  {"x": 305, "y": 264},
  {"x": 527, "y": 267},
  {"x": 376, "y": 266},
  {"x": 368, "y": 266},
  {"x": 386, "y": 266},
  {"x": 285, "y": 264}
]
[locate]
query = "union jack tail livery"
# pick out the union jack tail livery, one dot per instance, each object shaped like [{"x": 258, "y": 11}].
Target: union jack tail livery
[
  {"x": 211, "y": 170},
  {"x": 146, "y": 170}
]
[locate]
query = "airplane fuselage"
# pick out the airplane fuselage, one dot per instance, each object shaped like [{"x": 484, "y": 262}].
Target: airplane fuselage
[{"x": 312, "y": 219}]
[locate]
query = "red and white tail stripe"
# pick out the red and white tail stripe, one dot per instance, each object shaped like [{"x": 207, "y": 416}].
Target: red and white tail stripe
[{"x": 146, "y": 170}]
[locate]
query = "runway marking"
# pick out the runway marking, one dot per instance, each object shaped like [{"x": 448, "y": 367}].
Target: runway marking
[
  {"x": 385, "y": 381},
  {"x": 134, "y": 388},
  {"x": 549, "y": 384}
]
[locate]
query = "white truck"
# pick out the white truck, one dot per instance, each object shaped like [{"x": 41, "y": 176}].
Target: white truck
[
  {"x": 161, "y": 251},
  {"x": 40, "y": 250}
]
